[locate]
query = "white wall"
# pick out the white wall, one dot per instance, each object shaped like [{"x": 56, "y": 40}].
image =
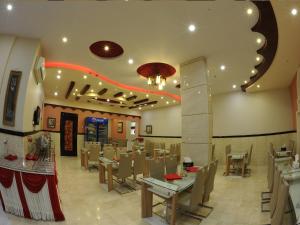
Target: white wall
[{"x": 165, "y": 121}]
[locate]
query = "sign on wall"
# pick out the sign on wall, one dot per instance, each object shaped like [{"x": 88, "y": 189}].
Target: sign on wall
[{"x": 11, "y": 97}]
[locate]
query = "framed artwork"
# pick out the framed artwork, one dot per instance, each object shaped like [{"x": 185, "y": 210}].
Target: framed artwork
[
  {"x": 148, "y": 129},
  {"x": 51, "y": 122},
  {"x": 11, "y": 97},
  {"x": 120, "y": 127}
]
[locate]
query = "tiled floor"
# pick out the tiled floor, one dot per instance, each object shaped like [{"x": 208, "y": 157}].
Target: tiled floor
[{"x": 236, "y": 201}]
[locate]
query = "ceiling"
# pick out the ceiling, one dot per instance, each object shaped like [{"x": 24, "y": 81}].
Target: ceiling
[{"x": 149, "y": 31}]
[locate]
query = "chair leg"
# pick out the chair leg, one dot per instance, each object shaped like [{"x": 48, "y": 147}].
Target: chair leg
[
  {"x": 208, "y": 207},
  {"x": 262, "y": 207},
  {"x": 265, "y": 193},
  {"x": 193, "y": 215}
]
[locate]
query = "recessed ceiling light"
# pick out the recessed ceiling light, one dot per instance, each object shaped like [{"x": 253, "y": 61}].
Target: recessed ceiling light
[
  {"x": 258, "y": 86},
  {"x": 174, "y": 101},
  {"x": 294, "y": 11},
  {"x": 100, "y": 83},
  {"x": 162, "y": 97},
  {"x": 85, "y": 76},
  {"x": 58, "y": 77},
  {"x": 152, "y": 105},
  {"x": 258, "y": 40},
  {"x": 223, "y": 67},
  {"x": 249, "y": 11},
  {"x": 56, "y": 93},
  {"x": 245, "y": 82},
  {"x": 167, "y": 102},
  {"x": 59, "y": 71},
  {"x": 140, "y": 108},
  {"x": 253, "y": 71},
  {"x": 107, "y": 100},
  {"x": 124, "y": 96},
  {"x": 9, "y": 7},
  {"x": 76, "y": 89},
  {"x": 106, "y": 48},
  {"x": 147, "y": 95},
  {"x": 192, "y": 27},
  {"x": 175, "y": 81},
  {"x": 257, "y": 58},
  {"x": 130, "y": 61},
  {"x": 92, "y": 90},
  {"x": 64, "y": 39},
  {"x": 234, "y": 86},
  {"x": 73, "y": 93},
  {"x": 131, "y": 93}
]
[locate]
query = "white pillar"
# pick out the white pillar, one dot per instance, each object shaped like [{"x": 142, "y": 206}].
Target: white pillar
[{"x": 196, "y": 111}]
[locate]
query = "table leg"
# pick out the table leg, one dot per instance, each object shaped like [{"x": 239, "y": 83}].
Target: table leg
[
  {"x": 146, "y": 170},
  {"x": 86, "y": 160},
  {"x": 243, "y": 167},
  {"x": 101, "y": 173},
  {"x": 147, "y": 201},
  {"x": 109, "y": 177},
  {"x": 173, "y": 212},
  {"x": 227, "y": 165}
]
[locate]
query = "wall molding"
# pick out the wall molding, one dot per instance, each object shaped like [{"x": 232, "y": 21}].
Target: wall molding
[
  {"x": 18, "y": 133},
  {"x": 230, "y": 136}
]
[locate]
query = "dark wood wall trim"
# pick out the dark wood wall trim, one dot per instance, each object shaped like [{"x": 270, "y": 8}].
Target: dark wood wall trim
[
  {"x": 89, "y": 110},
  {"x": 231, "y": 136},
  {"x": 267, "y": 26},
  {"x": 18, "y": 133}
]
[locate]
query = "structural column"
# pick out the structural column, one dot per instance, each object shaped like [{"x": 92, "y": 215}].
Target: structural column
[
  {"x": 298, "y": 112},
  {"x": 196, "y": 111}
]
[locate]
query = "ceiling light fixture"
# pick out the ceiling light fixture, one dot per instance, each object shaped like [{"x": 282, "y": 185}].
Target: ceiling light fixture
[
  {"x": 107, "y": 100},
  {"x": 294, "y": 11},
  {"x": 59, "y": 71},
  {"x": 131, "y": 93},
  {"x": 257, "y": 58},
  {"x": 9, "y": 7},
  {"x": 100, "y": 83},
  {"x": 245, "y": 82},
  {"x": 175, "y": 81},
  {"x": 124, "y": 96},
  {"x": 167, "y": 102},
  {"x": 85, "y": 77},
  {"x": 258, "y": 40},
  {"x": 130, "y": 61},
  {"x": 192, "y": 27},
  {"x": 156, "y": 73},
  {"x": 56, "y": 93},
  {"x": 74, "y": 93},
  {"x": 223, "y": 67},
  {"x": 106, "y": 48},
  {"x": 249, "y": 11},
  {"x": 76, "y": 89},
  {"x": 162, "y": 97},
  {"x": 58, "y": 77},
  {"x": 253, "y": 71},
  {"x": 147, "y": 95},
  {"x": 258, "y": 86},
  {"x": 152, "y": 105},
  {"x": 64, "y": 39},
  {"x": 234, "y": 86}
]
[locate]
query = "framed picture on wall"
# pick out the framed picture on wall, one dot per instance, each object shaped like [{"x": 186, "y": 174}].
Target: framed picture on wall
[
  {"x": 11, "y": 97},
  {"x": 120, "y": 127},
  {"x": 148, "y": 129},
  {"x": 51, "y": 122}
]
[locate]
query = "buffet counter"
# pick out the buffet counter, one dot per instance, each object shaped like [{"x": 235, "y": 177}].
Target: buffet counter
[{"x": 29, "y": 189}]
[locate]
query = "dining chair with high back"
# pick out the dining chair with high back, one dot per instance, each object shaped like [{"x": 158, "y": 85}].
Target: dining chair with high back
[
  {"x": 210, "y": 181},
  {"x": 178, "y": 152},
  {"x": 291, "y": 147},
  {"x": 275, "y": 193},
  {"x": 213, "y": 157},
  {"x": 124, "y": 169},
  {"x": 189, "y": 202},
  {"x": 109, "y": 152},
  {"x": 93, "y": 157},
  {"x": 157, "y": 169},
  {"x": 266, "y": 196},
  {"x": 248, "y": 160},
  {"x": 138, "y": 163},
  {"x": 171, "y": 165},
  {"x": 227, "y": 160}
]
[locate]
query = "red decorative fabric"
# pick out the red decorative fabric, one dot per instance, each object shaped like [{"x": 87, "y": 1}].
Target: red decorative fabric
[
  {"x": 34, "y": 182},
  {"x": 11, "y": 157},
  {"x": 192, "y": 169},
  {"x": 22, "y": 195},
  {"x": 172, "y": 176},
  {"x": 6, "y": 177},
  {"x": 1, "y": 199},
  {"x": 53, "y": 193}
]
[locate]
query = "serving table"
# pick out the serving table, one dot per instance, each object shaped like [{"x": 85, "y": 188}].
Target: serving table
[{"x": 29, "y": 189}]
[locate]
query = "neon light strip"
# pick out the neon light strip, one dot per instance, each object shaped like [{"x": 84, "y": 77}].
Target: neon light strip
[{"x": 108, "y": 80}]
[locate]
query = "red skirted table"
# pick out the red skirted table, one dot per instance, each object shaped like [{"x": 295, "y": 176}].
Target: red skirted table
[{"x": 29, "y": 189}]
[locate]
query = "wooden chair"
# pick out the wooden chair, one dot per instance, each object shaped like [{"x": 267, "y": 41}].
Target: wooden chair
[
  {"x": 248, "y": 160},
  {"x": 138, "y": 164},
  {"x": 171, "y": 165},
  {"x": 210, "y": 181},
  {"x": 124, "y": 169},
  {"x": 157, "y": 169},
  {"x": 109, "y": 153},
  {"x": 93, "y": 157}
]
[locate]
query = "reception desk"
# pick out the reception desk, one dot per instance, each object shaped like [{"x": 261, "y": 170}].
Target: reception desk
[{"x": 29, "y": 189}]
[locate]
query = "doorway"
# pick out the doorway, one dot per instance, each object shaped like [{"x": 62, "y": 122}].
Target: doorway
[{"x": 68, "y": 134}]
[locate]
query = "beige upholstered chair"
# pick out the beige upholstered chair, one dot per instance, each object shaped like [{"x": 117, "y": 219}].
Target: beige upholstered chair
[
  {"x": 109, "y": 153},
  {"x": 282, "y": 202},
  {"x": 275, "y": 191},
  {"x": 189, "y": 202},
  {"x": 213, "y": 157},
  {"x": 138, "y": 163},
  {"x": 124, "y": 170},
  {"x": 171, "y": 165},
  {"x": 210, "y": 180},
  {"x": 157, "y": 169},
  {"x": 93, "y": 157}
]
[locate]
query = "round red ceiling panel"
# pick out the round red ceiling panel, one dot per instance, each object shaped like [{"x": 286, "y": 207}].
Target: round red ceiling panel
[
  {"x": 155, "y": 68},
  {"x": 106, "y": 49}
]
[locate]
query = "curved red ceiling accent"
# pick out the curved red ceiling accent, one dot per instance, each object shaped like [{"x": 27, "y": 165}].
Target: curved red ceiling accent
[
  {"x": 106, "y": 49},
  {"x": 156, "y": 68},
  {"x": 86, "y": 70}
]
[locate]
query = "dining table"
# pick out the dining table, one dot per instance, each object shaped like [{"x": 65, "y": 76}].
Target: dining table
[{"x": 237, "y": 157}]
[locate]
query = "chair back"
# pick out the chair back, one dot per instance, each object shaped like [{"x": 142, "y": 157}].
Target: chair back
[
  {"x": 281, "y": 205},
  {"x": 213, "y": 158},
  {"x": 275, "y": 191},
  {"x": 272, "y": 150},
  {"x": 93, "y": 154},
  {"x": 227, "y": 152},
  {"x": 210, "y": 180},
  {"x": 157, "y": 169},
  {"x": 291, "y": 147},
  {"x": 125, "y": 164},
  {"x": 109, "y": 153},
  {"x": 171, "y": 165},
  {"x": 163, "y": 145},
  {"x": 271, "y": 177},
  {"x": 249, "y": 156},
  {"x": 198, "y": 189},
  {"x": 172, "y": 149},
  {"x": 120, "y": 151},
  {"x": 138, "y": 163},
  {"x": 178, "y": 152}
]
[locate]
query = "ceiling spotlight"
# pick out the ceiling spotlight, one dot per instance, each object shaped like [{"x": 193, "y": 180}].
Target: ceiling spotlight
[
  {"x": 294, "y": 12},
  {"x": 58, "y": 77},
  {"x": 174, "y": 101},
  {"x": 258, "y": 86},
  {"x": 257, "y": 58},
  {"x": 106, "y": 48},
  {"x": 152, "y": 105},
  {"x": 249, "y": 11},
  {"x": 107, "y": 100},
  {"x": 130, "y": 61},
  {"x": 59, "y": 71},
  {"x": 56, "y": 93},
  {"x": 85, "y": 76},
  {"x": 223, "y": 67},
  {"x": 131, "y": 93},
  {"x": 124, "y": 96},
  {"x": 100, "y": 83},
  {"x": 175, "y": 81},
  {"x": 74, "y": 93},
  {"x": 167, "y": 102},
  {"x": 9, "y": 7},
  {"x": 64, "y": 39},
  {"x": 253, "y": 71},
  {"x": 147, "y": 95},
  {"x": 162, "y": 97},
  {"x": 92, "y": 90},
  {"x": 192, "y": 28},
  {"x": 76, "y": 89},
  {"x": 258, "y": 40},
  {"x": 245, "y": 82},
  {"x": 234, "y": 86},
  {"x": 140, "y": 108}
]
